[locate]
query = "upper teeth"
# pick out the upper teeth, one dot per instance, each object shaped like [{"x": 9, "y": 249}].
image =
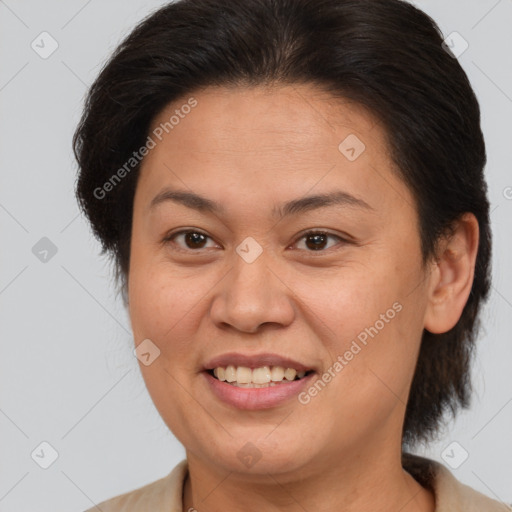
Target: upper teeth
[{"x": 263, "y": 375}]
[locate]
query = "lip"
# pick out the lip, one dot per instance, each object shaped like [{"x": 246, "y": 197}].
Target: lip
[
  {"x": 255, "y": 361},
  {"x": 256, "y": 398}
]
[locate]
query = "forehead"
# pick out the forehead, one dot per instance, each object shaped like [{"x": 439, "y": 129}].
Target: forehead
[
  {"x": 269, "y": 141},
  {"x": 301, "y": 116}
]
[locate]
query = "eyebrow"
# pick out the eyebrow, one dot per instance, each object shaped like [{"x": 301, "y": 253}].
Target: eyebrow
[{"x": 293, "y": 207}]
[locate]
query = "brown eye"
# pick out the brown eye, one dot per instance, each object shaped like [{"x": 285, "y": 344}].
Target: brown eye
[
  {"x": 318, "y": 240},
  {"x": 195, "y": 240},
  {"x": 188, "y": 240}
]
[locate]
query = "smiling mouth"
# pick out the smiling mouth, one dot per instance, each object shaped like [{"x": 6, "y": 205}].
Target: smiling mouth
[{"x": 263, "y": 377}]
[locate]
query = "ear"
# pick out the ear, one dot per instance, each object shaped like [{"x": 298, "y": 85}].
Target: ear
[{"x": 452, "y": 275}]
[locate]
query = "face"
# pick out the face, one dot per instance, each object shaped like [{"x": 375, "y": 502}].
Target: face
[{"x": 254, "y": 275}]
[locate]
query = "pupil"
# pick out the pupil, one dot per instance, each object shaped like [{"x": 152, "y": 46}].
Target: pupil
[
  {"x": 318, "y": 241},
  {"x": 194, "y": 238}
]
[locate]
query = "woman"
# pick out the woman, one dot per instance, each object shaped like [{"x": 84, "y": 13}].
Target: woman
[{"x": 293, "y": 195}]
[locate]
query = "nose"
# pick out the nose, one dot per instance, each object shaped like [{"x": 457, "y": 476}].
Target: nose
[{"x": 251, "y": 295}]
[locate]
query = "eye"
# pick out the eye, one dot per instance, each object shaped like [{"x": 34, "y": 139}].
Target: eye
[
  {"x": 192, "y": 239},
  {"x": 318, "y": 240}
]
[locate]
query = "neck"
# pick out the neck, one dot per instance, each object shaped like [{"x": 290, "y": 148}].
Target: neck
[{"x": 359, "y": 484}]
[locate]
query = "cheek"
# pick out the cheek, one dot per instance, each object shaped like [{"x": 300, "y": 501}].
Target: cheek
[
  {"x": 162, "y": 306},
  {"x": 165, "y": 311},
  {"x": 370, "y": 324},
  {"x": 170, "y": 306},
  {"x": 348, "y": 300}
]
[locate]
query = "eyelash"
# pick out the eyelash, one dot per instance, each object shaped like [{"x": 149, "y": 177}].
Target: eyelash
[{"x": 172, "y": 236}]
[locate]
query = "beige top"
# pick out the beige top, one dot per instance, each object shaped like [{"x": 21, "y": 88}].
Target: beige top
[{"x": 165, "y": 494}]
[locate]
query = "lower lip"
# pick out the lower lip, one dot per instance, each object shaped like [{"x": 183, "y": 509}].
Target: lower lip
[{"x": 257, "y": 398}]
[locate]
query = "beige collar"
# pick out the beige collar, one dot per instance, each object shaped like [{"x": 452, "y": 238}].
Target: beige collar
[{"x": 165, "y": 495}]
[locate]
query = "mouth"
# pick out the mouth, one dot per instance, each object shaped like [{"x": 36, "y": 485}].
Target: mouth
[
  {"x": 260, "y": 377},
  {"x": 256, "y": 381}
]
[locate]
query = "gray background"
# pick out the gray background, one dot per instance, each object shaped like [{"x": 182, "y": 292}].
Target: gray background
[{"x": 68, "y": 375}]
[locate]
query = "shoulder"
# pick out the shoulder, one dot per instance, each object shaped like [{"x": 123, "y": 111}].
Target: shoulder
[
  {"x": 163, "y": 494},
  {"x": 450, "y": 494}
]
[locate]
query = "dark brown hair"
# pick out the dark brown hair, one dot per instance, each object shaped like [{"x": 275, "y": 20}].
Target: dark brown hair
[{"x": 386, "y": 55}]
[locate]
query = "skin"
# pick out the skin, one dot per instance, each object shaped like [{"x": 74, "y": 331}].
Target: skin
[{"x": 251, "y": 149}]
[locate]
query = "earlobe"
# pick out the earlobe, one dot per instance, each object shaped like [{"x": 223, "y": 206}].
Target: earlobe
[{"x": 452, "y": 275}]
